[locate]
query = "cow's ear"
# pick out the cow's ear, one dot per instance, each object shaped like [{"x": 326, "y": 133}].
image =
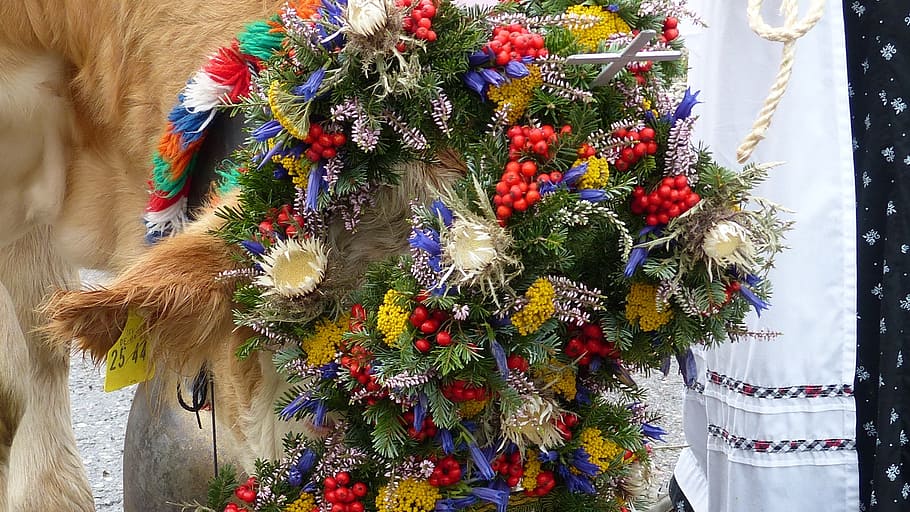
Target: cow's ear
[{"x": 186, "y": 307}]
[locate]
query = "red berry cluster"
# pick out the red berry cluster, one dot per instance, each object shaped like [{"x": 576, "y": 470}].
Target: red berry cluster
[
  {"x": 245, "y": 492},
  {"x": 323, "y": 144},
  {"x": 512, "y": 42},
  {"x": 287, "y": 221},
  {"x": 516, "y": 362},
  {"x": 510, "y": 467},
  {"x": 545, "y": 484},
  {"x": 670, "y": 199},
  {"x": 358, "y": 363},
  {"x": 419, "y": 22},
  {"x": 518, "y": 189},
  {"x": 565, "y": 423},
  {"x": 587, "y": 343},
  {"x": 462, "y": 391},
  {"x": 447, "y": 472},
  {"x": 427, "y": 428},
  {"x": 428, "y": 323},
  {"x": 343, "y": 496},
  {"x": 641, "y": 143},
  {"x": 671, "y": 31},
  {"x": 638, "y": 70}
]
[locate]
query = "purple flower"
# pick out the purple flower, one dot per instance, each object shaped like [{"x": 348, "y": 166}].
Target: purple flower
[
  {"x": 420, "y": 412},
  {"x": 496, "y": 497},
  {"x": 653, "y": 432},
  {"x": 474, "y": 81},
  {"x": 309, "y": 88},
  {"x": 687, "y": 367},
  {"x": 548, "y": 456},
  {"x": 444, "y": 436},
  {"x": 515, "y": 69},
  {"x": 481, "y": 462},
  {"x": 684, "y": 109},
  {"x": 267, "y": 130},
  {"x": 442, "y": 211},
  {"x": 592, "y": 195},
  {"x": 253, "y": 247},
  {"x": 582, "y": 462},
  {"x": 575, "y": 483},
  {"x": 315, "y": 183},
  {"x": 319, "y": 413},
  {"x": 499, "y": 354},
  {"x": 479, "y": 58},
  {"x": 307, "y": 461},
  {"x": 267, "y": 157},
  {"x": 427, "y": 240},
  {"x": 492, "y": 77},
  {"x": 575, "y": 173},
  {"x": 329, "y": 371},
  {"x": 295, "y": 479},
  {"x": 453, "y": 504},
  {"x": 636, "y": 258},
  {"x": 582, "y": 395},
  {"x": 753, "y": 299}
]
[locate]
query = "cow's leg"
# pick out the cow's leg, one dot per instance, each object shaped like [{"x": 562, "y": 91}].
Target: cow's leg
[
  {"x": 46, "y": 472},
  {"x": 13, "y": 387}
]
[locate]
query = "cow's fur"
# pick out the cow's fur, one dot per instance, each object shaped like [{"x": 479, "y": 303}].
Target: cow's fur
[{"x": 84, "y": 88}]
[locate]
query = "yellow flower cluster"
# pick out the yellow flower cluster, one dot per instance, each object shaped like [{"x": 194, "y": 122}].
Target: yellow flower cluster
[
  {"x": 602, "y": 451},
  {"x": 597, "y": 175},
  {"x": 610, "y": 23},
  {"x": 539, "y": 309},
  {"x": 392, "y": 319},
  {"x": 516, "y": 93},
  {"x": 641, "y": 305},
  {"x": 532, "y": 469},
  {"x": 274, "y": 103},
  {"x": 321, "y": 347},
  {"x": 410, "y": 496},
  {"x": 305, "y": 503},
  {"x": 561, "y": 375},
  {"x": 298, "y": 168},
  {"x": 472, "y": 408}
]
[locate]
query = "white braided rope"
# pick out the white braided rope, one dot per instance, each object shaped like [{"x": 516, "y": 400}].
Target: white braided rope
[{"x": 792, "y": 30}]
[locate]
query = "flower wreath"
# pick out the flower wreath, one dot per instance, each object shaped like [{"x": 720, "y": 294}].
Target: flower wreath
[{"x": 488, "y": 366}]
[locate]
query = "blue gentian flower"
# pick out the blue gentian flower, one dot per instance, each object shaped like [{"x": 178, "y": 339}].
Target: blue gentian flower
[
  {"x": 267, "y": 130},
  {"x": 515, "y": 69},
  {"x": 582, "y": 462},
  {"x": 582, "y": 395},
  {"x": 475, "y": 82},
  {"x": 319, "y": 413},
  {"x": 653, "y": 432},
  {"x": 309, "y": 88},
  {"x": 492, "y": 77},
  {"x": 479, "y": 58},
  {"x": 687, "y": 367},
  {"x": 253, "y": 247},
  {"x": 444, "y": 436},
  {"x": 307, "y": 461},
  {"x": 498, "y": 498},
  {"x": 453, "y": 504},
  {"x": 548, "y": 456},
  {"x": 267, "y": 157},
  {"x": 481, "y": 462},
  {"x": 295, "y": 479},
  {"x": 314, "y": 185},
  {"x": 296, "y": 405},
  {"x": 499, "y": 354},
  {"x": 420, "y": 412},
  {"x": 442, "y": 211},
  {"x": 329, "y": 371},
  {"x": 592, "y": 195},
  {"x": 684, "y": 109},
  {"x": 575, "y": 483},
  {"x": 575, "y": 173},
  {"x": 435, "y": 263},
  {"x": 636, "y": 258},
  {"x": 427, "y": 240},
  {"x": 753, "y": 299}
]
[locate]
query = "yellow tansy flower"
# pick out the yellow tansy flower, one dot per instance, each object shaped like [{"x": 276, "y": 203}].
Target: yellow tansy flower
[
  {"x": 597, "y": 175},
  {"x": 610, "y": 23},
  {"x": 516, "y": 93},
  {"x": 409, "y": 496},
  {"x": 472, "y": 408},
  {"x": 323, "y": 344},
  {"x": 602, "y": 451},
  {"x": 305, "y": 503},
  {"x": 276, "y": 96},
  {"x": 539, "y": 309},
  {"x": 561, "y": 375},
  {"x": 532, "y": 469},
  {"x": 641, "y": 305},
  {"x": 392, "y": 319}
]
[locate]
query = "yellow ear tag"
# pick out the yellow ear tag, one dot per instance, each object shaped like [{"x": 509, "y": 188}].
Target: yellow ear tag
[{"x": 127, "y": 360}]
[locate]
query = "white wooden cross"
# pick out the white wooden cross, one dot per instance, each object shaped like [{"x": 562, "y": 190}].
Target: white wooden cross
[{"x": 615, "y": 62}]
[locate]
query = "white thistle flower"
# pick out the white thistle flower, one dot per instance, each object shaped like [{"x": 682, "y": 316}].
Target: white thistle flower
[
  {"x": 293, "y": 268},
  {"x": 728, "y": 243},
  {"x": 471, "y": 247},
  {"x": 366, "y": 17}
]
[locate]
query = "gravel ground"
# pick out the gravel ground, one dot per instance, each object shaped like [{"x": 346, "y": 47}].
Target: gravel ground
[{"x": 665, "y": 397}]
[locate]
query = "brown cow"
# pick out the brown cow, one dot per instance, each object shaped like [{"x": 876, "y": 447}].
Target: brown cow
[{"x": 85, "y": 86}]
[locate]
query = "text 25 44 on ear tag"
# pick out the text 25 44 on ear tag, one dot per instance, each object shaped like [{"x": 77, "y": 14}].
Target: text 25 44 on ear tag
[{"x": 127, "y": 361}]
